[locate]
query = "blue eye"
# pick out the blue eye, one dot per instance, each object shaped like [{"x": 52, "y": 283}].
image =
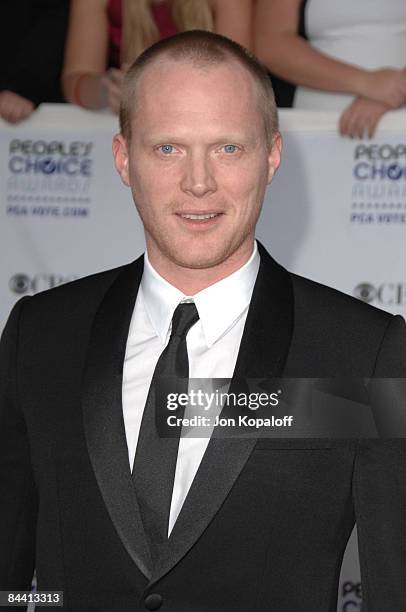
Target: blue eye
[
  {"x": 166, "y": 149},
  {"x": 230, "y": 148}
]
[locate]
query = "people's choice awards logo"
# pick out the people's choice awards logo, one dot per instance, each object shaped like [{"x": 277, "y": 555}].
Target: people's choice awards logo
[
  {"x": 49, "y": 178},
  {"x": 379, "y": 184},
  {"x": 351, "y": 597}
]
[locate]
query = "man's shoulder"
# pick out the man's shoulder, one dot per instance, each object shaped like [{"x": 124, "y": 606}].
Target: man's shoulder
[
  {"x": 330, "y": 302},
  {"x": 313, "y": 300},
  {"x": 340, "y": 333},
  {"x": 77, "y": 297},
  {"x": 85, "y": 284}
]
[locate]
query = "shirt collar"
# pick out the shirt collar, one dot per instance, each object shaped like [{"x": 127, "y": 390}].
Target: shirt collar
[{"x": 219, "y": 306}]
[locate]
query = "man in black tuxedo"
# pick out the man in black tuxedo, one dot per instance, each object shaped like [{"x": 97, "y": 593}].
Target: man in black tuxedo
[{"x": 253, "y": 523}]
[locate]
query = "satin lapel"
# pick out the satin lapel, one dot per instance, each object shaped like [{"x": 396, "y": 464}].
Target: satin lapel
[
  {"x": 263, "y": 352},
  {"x": 103, "y": 412}
]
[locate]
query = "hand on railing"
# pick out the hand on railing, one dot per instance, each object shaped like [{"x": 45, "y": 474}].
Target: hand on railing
[
  {"x": 361, "y": 117},
  {"x": 13, "y": 107}
]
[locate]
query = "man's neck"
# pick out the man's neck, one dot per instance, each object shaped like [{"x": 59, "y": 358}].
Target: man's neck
[{"x": 192, "y": 280}]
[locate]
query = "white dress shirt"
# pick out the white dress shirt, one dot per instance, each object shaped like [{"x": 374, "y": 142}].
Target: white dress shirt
[{"x": 212, "y": 343}]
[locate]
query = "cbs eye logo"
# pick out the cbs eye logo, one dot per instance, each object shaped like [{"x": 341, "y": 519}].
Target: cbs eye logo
[
  {"x": 20, "y": 283},
  {"x": 365, "y": 292},
  {"x": 384, "y": 294}
]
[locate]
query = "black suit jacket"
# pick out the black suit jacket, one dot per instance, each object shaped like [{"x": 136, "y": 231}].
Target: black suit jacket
[{"x": 265, "y": 523}]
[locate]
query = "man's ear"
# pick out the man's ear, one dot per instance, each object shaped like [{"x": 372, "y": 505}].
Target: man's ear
[
  {"x": 120, "y": 154},
  {"x": 274, "y": 157}
]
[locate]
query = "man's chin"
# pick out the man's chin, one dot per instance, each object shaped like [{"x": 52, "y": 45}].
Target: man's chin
[
  {"x": 199, "y": 254},
  {"x": 198, "y": 262},
  {"x": 198, "y": 257}
]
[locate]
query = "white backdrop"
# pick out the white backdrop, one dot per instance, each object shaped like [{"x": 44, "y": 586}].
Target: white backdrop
[{"x": 336, "y": 212}]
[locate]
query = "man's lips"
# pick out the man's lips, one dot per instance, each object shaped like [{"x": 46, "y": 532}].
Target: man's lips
[
  {"x": 199, "y": 218},
  {"x": 199, "y": 213}
]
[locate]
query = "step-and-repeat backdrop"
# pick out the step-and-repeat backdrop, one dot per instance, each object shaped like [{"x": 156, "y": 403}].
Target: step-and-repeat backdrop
[{"x": 335, "y": 212}]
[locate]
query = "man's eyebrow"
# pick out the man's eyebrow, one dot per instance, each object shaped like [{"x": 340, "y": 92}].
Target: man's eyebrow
[
  {"x": 159, "y": 138},
  {"x": 155, "y": 139}
]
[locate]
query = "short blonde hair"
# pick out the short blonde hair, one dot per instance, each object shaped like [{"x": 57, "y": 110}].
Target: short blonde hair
[{"x": 203, "y": 49}]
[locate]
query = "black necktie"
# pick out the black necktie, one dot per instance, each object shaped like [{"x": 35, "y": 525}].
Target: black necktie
[{"x": 155, "y": 458}]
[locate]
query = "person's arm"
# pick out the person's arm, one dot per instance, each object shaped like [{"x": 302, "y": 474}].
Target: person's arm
[
  {"x": 18, "y": 494},
  {"x": 233, "y": 18},
  {"x": 86, "y": 54},
  {"x": 379, "y": 496},
  {"x": 379, "y": 485},
  {"x": 286, "y": 54}
]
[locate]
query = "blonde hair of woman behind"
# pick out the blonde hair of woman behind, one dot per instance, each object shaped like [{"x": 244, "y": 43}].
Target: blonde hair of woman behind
[{"x": 139, "y": 28}]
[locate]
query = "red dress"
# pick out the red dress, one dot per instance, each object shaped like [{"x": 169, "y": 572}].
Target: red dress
[{"x": 162, "y": 17}]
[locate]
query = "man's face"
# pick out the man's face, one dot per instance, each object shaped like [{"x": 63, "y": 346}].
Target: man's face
[{"x": 198, "y": 163}]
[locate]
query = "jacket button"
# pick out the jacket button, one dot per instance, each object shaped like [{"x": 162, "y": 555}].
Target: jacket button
[{"x": 153, "y": 601}]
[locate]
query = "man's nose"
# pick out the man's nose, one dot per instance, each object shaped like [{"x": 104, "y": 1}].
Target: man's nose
[{"x": 198, "y": 176}]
